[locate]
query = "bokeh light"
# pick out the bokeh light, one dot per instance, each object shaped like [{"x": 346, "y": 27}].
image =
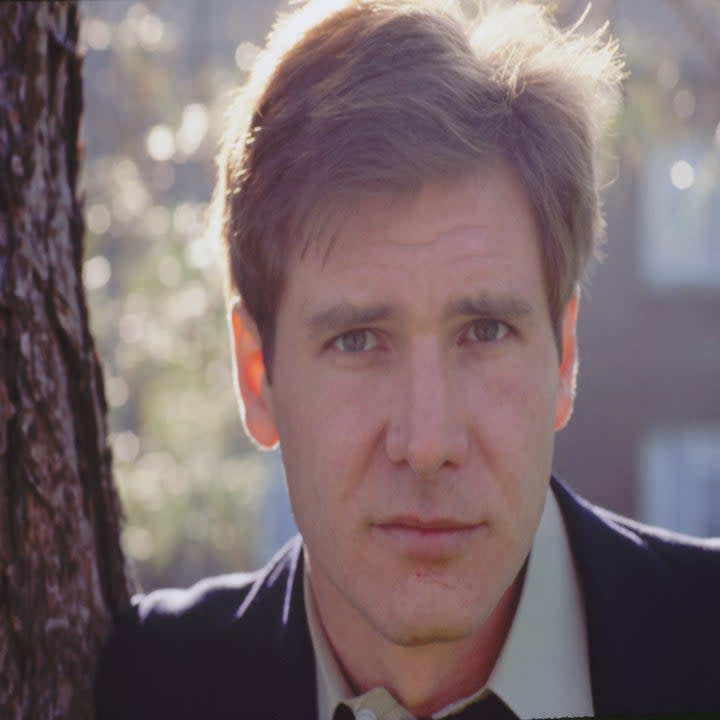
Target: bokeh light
[
  {"x": 98, "y": 218},
  {"x": 245, "y": 55},
  {"x": 96, "y": 272},
  {"x": 96, "y": 33},
  {"x": 193, "y": 128},
  {"x": 682, "y": 175},
  {"x": 116, "y": 391},
  {"x": 160, "y": 143}
]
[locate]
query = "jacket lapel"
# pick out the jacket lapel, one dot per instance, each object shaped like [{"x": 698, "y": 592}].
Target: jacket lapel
[{"x": 268, "y": 662}]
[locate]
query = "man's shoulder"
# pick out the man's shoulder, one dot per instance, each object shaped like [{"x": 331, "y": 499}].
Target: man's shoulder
[
  {"x": 175, "y": 648},
  {"x": 665, "y": 550},
  {"x": 210, "y": 603},
  {"x": 664, "y": 541},
  {"x": 638, "y": 576},
  {"x": 651, "y": 599},
  {"x": 216, "y": 603}
]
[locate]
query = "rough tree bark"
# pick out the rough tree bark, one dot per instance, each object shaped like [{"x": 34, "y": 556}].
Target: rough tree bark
[{"x": 61, "y": 568}]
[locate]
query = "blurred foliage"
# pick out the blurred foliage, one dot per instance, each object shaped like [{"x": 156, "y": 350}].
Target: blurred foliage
[{"x": 157, "y": 76}]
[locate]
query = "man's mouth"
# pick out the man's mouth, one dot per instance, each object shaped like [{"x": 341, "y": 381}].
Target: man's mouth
[{"x": 428, "y": 538}]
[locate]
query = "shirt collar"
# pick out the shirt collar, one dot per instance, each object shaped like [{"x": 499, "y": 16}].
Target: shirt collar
[
  {"x": 330, "y": 682},
  {"x": 543, "y": 669}
]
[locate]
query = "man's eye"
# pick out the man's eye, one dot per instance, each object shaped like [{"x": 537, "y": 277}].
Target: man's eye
[
  {"x": 485, "y": 331},
  {"x": 355, "y": 341}
]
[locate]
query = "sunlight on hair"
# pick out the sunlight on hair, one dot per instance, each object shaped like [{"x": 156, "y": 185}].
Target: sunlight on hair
[
  {"x": 288, "y": 31},
  {"x": 591, "y": 64}
]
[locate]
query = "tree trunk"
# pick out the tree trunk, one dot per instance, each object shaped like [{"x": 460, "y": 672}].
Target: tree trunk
[{"x": 62, "y": 573}]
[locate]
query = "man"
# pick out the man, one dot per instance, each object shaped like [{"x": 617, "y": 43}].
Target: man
[{"x": 409, "y": 203}]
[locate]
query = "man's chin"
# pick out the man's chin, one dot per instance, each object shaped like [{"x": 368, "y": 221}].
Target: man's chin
[
  {"x": 428, "y": 613},
  {"x": 417, "y": 629}
]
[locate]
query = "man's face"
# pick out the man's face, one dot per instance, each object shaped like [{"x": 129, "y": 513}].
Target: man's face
[{"x": 416, "y": 390}]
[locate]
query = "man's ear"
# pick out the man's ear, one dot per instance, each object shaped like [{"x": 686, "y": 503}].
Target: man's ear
[
  {"x": 567, "y": 372},
  {"x": 254, "y": 392}
]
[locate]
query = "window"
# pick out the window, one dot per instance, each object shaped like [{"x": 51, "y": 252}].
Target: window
[
  {"x": 680, "y": 480},
  {"x": 680, "y": 215}
]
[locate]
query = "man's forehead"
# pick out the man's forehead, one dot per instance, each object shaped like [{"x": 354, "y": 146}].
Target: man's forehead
[
  {"x": 329, "y": 220},
  {"x": 468, "y": 248},
  {"x": 363, "y": 215}
]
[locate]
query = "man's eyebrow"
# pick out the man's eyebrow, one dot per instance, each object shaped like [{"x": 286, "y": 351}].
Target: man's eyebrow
[
  {"x": 485, "y": 306},
  {"x": 345, "y": 315}
]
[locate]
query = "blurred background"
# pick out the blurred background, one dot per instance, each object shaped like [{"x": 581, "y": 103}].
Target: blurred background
[{"x": 645, "y": 437}]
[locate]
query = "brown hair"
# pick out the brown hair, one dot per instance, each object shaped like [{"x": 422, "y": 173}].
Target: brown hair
[{"x": 354, "y": 97}]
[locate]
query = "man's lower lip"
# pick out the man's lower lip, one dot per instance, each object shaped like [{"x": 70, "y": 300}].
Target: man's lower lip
[{"x": 428, "y": 542}]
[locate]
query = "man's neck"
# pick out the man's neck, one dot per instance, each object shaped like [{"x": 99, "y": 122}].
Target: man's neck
[{"x": 422, "y": 678}]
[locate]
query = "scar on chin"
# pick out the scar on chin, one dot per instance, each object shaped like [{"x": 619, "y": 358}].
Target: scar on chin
[{"x": 431, "y": 576}]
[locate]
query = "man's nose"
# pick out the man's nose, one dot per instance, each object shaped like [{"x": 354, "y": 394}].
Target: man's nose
[{"x": 427, "y": 429}]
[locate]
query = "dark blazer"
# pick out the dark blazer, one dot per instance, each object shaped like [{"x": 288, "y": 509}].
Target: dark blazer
[{"x": 238, "y": 646}]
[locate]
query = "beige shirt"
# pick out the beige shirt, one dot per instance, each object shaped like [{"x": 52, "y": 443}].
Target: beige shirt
[{"x": 543, "y": 669}]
